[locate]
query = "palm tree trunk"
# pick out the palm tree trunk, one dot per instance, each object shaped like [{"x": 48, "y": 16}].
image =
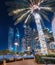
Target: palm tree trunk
[
  {"x": 40, "y": 34},
  {"x": 53, "y": 27}
]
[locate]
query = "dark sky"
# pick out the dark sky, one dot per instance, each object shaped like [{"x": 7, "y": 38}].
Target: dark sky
[{"x": 6, "y": 21}]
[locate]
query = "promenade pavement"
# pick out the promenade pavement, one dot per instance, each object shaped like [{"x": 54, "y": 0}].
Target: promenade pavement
[{"x": 26, "y": 62}]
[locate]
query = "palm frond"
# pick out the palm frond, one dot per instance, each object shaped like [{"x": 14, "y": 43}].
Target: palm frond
[
  {"x": 45, "y": 16},
  {"x": 28, "y": 17},
  {"x": 19, "y": 14},
  {"x": 20, "y": 9},
  {"x": 48, "y": 9},
  {"x": 48, "y": 3},
  {"x": 20, "y": 18},
  {"x": 51, "y": 4},
  {"x": 15, "y": 12},
  {"x": 16, "y": 5}
]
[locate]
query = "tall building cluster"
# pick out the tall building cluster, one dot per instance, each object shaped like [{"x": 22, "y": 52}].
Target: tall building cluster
[
  {"x": 13, "y": 37},
  {"x": 30, "y": 40},
  {"x": 10, "y": 38}
]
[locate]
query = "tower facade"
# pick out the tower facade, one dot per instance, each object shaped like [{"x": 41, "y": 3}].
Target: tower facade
[
  {"x": 17, "y": 39},
  {"x": 23, "y": 44},
  {"x": 36, "y": 42},
  {"x": 10, "y": 38},
  {"x": 28, "y": 36}
]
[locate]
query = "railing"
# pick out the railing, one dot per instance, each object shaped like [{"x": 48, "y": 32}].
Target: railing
[{"x": 47, "y": 58}]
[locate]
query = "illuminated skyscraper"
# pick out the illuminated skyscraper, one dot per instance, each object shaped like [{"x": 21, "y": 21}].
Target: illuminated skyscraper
[
  {"x": 48, "y": 37},
  {"x": 10, "y": 39},
  {"x": 31, "y": 37},
  {"x": 23, "y": 44},
  {"x": 28, "y": 36},
  {"x": 17, "y": 39},
  {"x": 36, "y": 43}
]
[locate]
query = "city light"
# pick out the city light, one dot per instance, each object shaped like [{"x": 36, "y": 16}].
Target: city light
[
  {"x": 16, "y": 47},
  {"x": 18, "y": 35},
  {"x": 24, "y": 26},
  {"x": 38, "y": 10},
  {"x": 16, "y": 44},
  {"x": 28, "y": 48}
]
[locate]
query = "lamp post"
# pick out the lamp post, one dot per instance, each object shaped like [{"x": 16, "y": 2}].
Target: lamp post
[
  {"x": 28, "y": 49},
  {"x": 16, "y": 45}
]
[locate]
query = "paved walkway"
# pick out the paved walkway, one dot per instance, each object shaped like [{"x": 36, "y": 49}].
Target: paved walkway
[{"x": 25, "y": 62}]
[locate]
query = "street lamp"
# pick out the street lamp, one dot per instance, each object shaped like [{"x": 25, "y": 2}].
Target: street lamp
[
  {"x": 28, "y": 48},
  {"x": 16, "y": 45}
]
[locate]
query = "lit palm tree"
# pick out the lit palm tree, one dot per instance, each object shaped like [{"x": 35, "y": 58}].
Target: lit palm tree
[
  {"x": 53, "y": 27},
  {"x": 25, "y": 9}
]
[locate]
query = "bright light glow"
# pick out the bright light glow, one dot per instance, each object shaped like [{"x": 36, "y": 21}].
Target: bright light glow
[
  {"x": 24, "y": 26},
  {"x": 19, "y": 10},
  {"x": 37, "y": 16},
  {"x": 50, "y": 31},
  {"x": 28, "y": 48},
  {"x": 16, "y": 44},
  {"x": 11, "y": 49},
  {"x": 18, "y": 35},
  {"x": 33, "y": 7},
  {"x": 16, "y": 11}
]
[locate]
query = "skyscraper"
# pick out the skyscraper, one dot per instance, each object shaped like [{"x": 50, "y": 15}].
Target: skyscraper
[
  {"x": 28, "y": 36},
  {"x": 17, "y": 39},
  {"x": 23, "y": 44},
  {"x": 31, "y": 37},
  {"x": 36, "y": 42},
  {"x": 10, "y": 39}
]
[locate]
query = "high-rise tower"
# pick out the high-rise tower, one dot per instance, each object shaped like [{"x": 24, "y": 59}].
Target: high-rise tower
[
  {"x": 28, "y": 36},
  {"x": 23, "y": 44},
  {"x": 10, "y": 38},
  {"x": 36, "y": 43},
  {"x": 17, "y": 39}
]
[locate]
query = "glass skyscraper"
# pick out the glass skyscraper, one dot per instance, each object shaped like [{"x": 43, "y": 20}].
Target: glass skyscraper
[{"x": 10, "y": 39}]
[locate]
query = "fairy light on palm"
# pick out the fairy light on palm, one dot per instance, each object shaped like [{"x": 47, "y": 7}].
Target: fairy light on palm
[{"x": 36, "y": 8}]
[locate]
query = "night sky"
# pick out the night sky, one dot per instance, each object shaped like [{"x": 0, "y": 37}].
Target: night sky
[{"x": 7, "y": 21}]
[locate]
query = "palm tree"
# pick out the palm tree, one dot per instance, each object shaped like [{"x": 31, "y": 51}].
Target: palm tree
[
  {"x": 53, "y": 26},
  {"x": 25, "y": 9}
]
